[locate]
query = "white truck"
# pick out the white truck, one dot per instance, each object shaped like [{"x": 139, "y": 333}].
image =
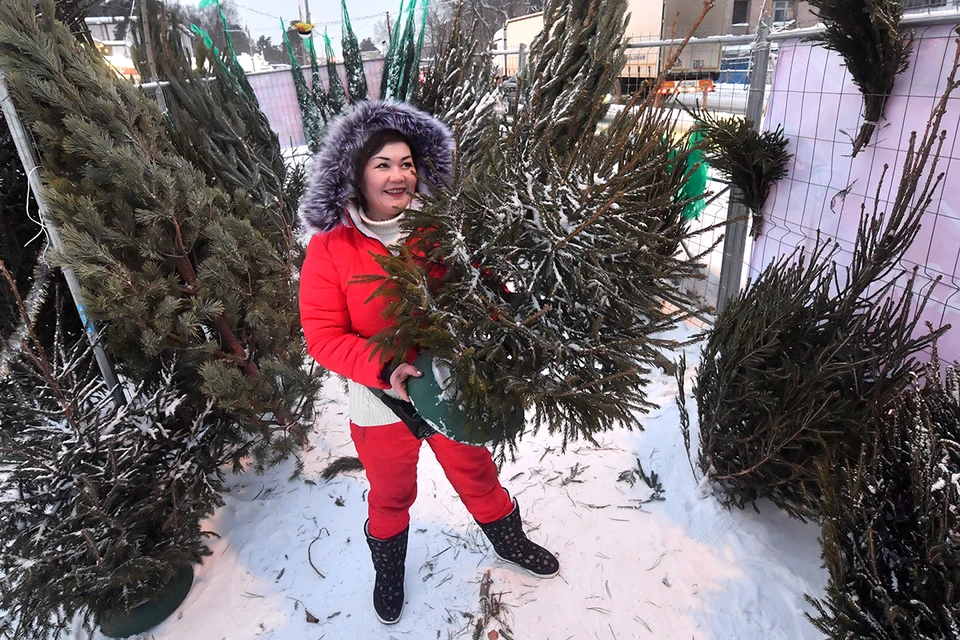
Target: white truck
[{"x": 650, "y": 20}]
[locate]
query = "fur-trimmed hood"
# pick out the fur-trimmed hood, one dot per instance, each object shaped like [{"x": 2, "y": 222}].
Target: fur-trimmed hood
[{"x": 330, "y": 179}]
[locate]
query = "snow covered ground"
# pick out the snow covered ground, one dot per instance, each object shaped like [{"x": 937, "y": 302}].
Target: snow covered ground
[{"x": 681, "y": 568}]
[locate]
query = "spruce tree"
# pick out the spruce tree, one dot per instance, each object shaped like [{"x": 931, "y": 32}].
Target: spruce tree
[
  {"x": 560, "y": 248},
  {"x": 401, "y": 62},
  {"x": 800, "y": 367},
  {"x": 352, "y": 59},
  {"x": 312, "y": 100},
  {"x": 171, "y": 264},
  {"x": 458, "y": 88},
  {"x": 891, "y": 534},
  {"x": 336, "y": 97},
  {"x": 102, "y": 504}
]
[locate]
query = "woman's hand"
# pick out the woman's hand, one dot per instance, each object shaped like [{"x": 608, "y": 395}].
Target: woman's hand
[{"x": 398, "y": 379}]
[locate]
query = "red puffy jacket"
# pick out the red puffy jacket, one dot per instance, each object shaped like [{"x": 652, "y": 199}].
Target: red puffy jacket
[{"x": 339, "y": 316}]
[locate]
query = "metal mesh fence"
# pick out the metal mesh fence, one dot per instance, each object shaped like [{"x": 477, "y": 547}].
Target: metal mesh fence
[
  {"x": 819, "y": 107},
  {"x": 277, "y": 96}
]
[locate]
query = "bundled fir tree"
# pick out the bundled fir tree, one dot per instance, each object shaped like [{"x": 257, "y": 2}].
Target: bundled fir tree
[
  {"x": 559, "y": 243},
  {"x": 312, "y": 100},
  {"x": 352, "y": 59},
  {"x": 751, "y": 160},
  {"x": 101, "y": 505},
  {"x": 868, "y": 36},
  {"x": 401, "y": 61},
  {"x": 891, "y": 534},
  {"x": 803, "y": 362},
  {"x": 319, "y": 104},
  {"x": 173, "y": 264}
]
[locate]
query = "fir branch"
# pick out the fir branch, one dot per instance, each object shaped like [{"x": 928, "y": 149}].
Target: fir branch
[
  {"x": 868, "y": 36},
  {"x": 751, "y": 160}
]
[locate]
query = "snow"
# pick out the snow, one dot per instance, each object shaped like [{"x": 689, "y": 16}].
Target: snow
[{"x": 681, "y": 568}]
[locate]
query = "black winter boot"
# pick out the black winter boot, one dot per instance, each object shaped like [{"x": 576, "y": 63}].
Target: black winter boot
[
  {"x": 389, "y": 557},
  {"x": 510, "y": 543}
]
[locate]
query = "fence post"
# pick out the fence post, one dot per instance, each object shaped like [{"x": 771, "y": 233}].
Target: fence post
[
  {"x": 523, "y": 57},
  {"x": 27, "y": 158},
  {"x": 735, "y": 240}
]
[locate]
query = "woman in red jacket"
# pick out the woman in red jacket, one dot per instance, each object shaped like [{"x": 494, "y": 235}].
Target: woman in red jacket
[{"x": 360, "y": 182}]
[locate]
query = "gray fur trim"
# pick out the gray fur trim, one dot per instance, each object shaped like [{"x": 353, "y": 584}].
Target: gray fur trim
[{"x": 330, "y": 177}]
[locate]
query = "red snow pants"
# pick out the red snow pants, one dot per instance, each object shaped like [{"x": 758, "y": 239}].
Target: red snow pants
[{"x": 389, "y": 455}]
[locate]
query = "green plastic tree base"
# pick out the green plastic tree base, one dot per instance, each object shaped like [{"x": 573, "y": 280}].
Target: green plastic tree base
[
  {"x": 121, "y": 624},
  {"x": 439, "y": 406}
]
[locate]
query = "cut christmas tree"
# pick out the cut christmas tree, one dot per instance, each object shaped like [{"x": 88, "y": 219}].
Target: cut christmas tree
[
  {"x": 102, "y": 504},
  {"x": 801, "y": 366},
  {"x": 177, "y": 263},
  {"x": 891, "y": 534},
  {"x": 875, "y": 49},
  {"x": 560, "y": 247}
]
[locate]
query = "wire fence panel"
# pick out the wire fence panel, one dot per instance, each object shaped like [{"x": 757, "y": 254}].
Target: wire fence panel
[
  {"x": 277, "y": 96},
  {"x": 820, "y": 108},
  {"x": 707, "y": 245}
]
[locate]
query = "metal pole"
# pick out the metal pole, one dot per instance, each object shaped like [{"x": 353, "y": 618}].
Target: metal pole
[
  {"x": 735, "y": 240},
  {"x": 151, "y": 62},
  {"x": 25, "y": 149}
]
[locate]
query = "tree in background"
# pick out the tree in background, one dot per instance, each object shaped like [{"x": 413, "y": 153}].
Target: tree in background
[
  {"x": 108, "y": 8},
  {"x": 367, "y": 45},
  {"x": 272, "y": 53},
  {"x": 356, "y": 79}
]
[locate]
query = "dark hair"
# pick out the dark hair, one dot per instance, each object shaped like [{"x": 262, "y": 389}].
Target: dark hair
[{"x": 377, "y": 141}]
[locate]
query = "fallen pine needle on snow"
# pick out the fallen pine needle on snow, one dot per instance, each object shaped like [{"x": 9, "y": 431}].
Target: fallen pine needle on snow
[{"x": 309, "y": 549}]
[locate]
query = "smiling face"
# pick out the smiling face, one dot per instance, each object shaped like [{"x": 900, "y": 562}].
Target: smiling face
[{"x": 389, "y": 181}]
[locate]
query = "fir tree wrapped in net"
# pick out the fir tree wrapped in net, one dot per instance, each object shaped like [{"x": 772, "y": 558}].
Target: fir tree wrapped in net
[
  {"x": 868, "y": 36},
  {"x": 101, "y": 505},
  {"x": 172, "y": 263},
  {"x": 401, "y": 61},
  {"x": 891, "y": 534},
  {"x": 312, "y": 100},
  {"x": 751, "y": 160},
  {"x": 801, "y": 364},
  {"x": 559, "y": 247},
  {"x": 352, "y": 59}
]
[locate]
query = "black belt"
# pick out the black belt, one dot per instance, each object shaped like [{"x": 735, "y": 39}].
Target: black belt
[{"x": 419, "y": 427}]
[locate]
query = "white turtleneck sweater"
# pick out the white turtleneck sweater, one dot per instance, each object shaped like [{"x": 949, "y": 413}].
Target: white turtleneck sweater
[{"x": 366, "y": 410}]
